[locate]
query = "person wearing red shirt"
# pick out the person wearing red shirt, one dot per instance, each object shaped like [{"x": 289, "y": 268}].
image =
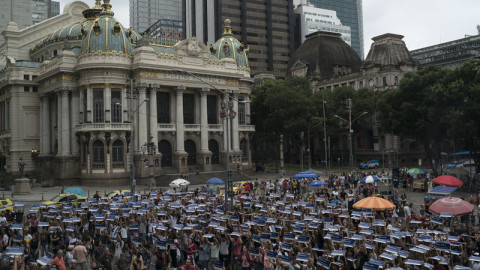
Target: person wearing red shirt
[
  {"x": 247, "y": 188},
  {"x": 58, "y": 261}
]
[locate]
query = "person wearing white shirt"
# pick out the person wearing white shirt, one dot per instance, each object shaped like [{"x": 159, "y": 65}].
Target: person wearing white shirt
[{"x": 124, "y": 232}]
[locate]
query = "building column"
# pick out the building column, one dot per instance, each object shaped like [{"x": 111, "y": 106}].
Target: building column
[
  {"x": 180, "y": 136},
  {"x": 7, "y": 118},
  {"x": 80, "y": 108},
  {"x": 65, "y": 123},
  {"x": 142, "y": 116},
  {"x": 59, "y": 123},
  {"x": 203, "y": 120},
  {"x": 224, "y": 123},
  {"x": 108, "y": 103},
  {"x": 235, "y": 133},
  {"x": 125, "y": 111},
  {"x": 153, "y": 115},
  {"x": 41, "y": 128},
  {"x": 89, "y": 111},
  {"x": 75, "y": 121},
  {"x": 45, "y": 126}
]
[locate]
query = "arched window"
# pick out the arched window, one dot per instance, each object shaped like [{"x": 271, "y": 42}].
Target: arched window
[
  {"x": 98, "y": 152},
  {"x": 396, "y": 81},
  {"x": 117, "y": 154},
  {"x": 384, "y": 79},
  {"x": 244, "y": 148}
]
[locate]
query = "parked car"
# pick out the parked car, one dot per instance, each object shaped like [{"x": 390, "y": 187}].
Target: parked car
[
  {"x": 371, "y": 164},
  {"x": 118, "y": 193},
  {"x": 466, "y": 163},
  {"x": 65, "y": 198},
  {"x": 6, "y": 204}
]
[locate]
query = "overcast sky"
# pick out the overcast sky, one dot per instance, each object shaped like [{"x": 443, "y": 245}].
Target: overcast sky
[{"x": 422, "y": 22}]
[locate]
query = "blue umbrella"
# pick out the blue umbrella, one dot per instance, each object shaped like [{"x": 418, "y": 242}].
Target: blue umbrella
[
  {"x": 215, "y": 181},
  {"x": 76, "y": 190},
  {"x": 369, "y": 179},
  {"x": 317, "y": 183},
  {"x": 306, "y": 174}
]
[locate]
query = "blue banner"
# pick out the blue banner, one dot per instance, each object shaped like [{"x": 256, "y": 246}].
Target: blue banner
[
  {"x": 303, "y": 239},
  {"x": 290, "y": 236},
  {"x": 271, "y": 255},
  {"x": 323, "y": 263},
  {"x": 336, "y": 238},
  {"x": 370, "y": 266},
  {"x": 442, "y": 245}
]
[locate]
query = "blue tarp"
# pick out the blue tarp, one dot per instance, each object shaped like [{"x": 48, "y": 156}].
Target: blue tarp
[
  {"x": 306, "y": 174},
  {"x": 215, "y": 181},
  {"x": 442, "y": 190}
]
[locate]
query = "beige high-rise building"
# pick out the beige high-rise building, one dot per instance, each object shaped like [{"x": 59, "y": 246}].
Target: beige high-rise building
[{"x": 25, "y": 13}]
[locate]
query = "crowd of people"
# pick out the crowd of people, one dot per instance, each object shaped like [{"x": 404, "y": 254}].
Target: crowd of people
[{"x": 282, "y": 225}]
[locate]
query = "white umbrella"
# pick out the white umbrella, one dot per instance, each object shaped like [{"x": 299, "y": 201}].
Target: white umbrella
[{"x": 179, "y": 183}]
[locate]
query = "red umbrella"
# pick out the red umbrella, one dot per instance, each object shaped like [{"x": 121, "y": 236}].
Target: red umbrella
[
  {"x": 456, "y": 206},
  {"x": 449, "y": 181}
]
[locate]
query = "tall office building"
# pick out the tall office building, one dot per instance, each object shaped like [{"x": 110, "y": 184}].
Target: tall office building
[
  {"x": 165, "y": 16},
  {"x": 26, "y": 12},
  {"x": 266, "y": 27},
  {"x": 311, "y": 19},
  {"x": 350, "y": 12},
  {"x": 44, "y": 9}
]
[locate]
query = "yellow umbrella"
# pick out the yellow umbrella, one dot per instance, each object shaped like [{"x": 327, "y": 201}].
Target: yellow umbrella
[{"x": 374, "y": 203}]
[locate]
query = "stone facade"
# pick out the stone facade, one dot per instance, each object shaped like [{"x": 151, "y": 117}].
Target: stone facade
[
  {"x": 105, "y": 93},
  {"x": 330, "y": 63}
]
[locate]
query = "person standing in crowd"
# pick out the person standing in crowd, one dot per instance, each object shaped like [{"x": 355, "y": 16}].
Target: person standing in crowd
[{"x": 80, "y": 254}]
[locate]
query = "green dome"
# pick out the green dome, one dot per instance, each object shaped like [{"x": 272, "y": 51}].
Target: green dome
[
  {"x": 229, "y": 47},
  {"x": 106, "y": 34},
  {"x": 75, "y": 32}
]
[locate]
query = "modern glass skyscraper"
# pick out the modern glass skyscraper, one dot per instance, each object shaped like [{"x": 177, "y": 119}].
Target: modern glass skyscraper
[
  {"x": 168, "y": 14},
  {"x": 266, "y": 27},
  {"x": 350, "y": 13}
]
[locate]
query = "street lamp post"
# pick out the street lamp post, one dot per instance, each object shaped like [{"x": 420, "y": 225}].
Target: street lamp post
[
  {"x": 228, "y": 114},
  {"x": 133, "y": 182},
  {"x": 350, "y": 130}
]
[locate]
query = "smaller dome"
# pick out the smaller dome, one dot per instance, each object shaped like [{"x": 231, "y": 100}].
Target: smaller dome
[
  {"x": 324, "y": 55},
  {"x": 106, "y": 34},
  {"x": 229, "y": 47},
  {"x": 388, "y": 50}
]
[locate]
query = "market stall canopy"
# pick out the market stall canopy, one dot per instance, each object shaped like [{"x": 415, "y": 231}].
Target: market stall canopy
[
  {"x": 455, "y": 206},
  {"x": 215, "y": 181},
  {"x": 445, "y": 191},
  {"x": 416, "y": 171},
  {"x": 369, "y": 179},
  {"x": 179, "y": 183},
  {"x": 374, "y": 203},
  {"x": 76, "y": 190},
  {"x": 447, "y": 180},
  {"x": 306, "y": 174},
  {"x": 317, "y": 183}
]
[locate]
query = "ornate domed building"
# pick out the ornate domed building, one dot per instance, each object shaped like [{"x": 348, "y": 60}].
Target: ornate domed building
[
  {"x": 328, "y": 62},
  {"x": 81, "y": 95}
]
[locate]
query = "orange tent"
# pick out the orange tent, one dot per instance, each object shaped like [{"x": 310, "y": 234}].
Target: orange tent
[{"x": 374, "y": 203}]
